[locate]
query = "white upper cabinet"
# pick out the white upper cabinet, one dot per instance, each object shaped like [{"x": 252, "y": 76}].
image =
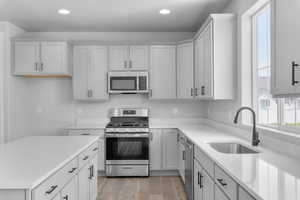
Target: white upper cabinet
[
  {"x": 118, "y": 58},
  {"x": 139, "y": 57},
  {"x": 53, "y": 57},
  {"x": 90, "y": 73},
  {"x": 128, "y": 57},
  {"x": 163, "y": 72},
  {"x": 286, "y": 42},
  {"x": 214, "y": 58},
  {"x": 185, "y": 71},
  {"x": 41, "y": 58},
  {"x": 26, "y": 57}
]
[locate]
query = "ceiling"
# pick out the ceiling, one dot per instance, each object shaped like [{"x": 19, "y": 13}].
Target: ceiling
[{"x": 109, "y": 15}]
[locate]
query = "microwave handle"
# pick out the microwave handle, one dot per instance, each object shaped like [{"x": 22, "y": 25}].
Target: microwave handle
[{"x": 107, "y": 83}]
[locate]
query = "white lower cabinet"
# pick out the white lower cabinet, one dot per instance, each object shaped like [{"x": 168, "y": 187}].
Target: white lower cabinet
[
  {"x": 169, "y": 138},
  {"x": 219, "y": 195},
  {"x": 155, "y": 150},
  {"x": 87, "y": 181},
  {"x": 203, "y": 184},
  {"x": 57, "y": 197},
  {"x": 101, "y": 159},
  {"x": 243, "y": 195},
  {"x": 163, "y": 149},
  {"x": 70, "y": 190}
]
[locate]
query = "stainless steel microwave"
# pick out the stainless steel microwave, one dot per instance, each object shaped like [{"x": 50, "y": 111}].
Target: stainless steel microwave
[{"x": 128, "y": 82}]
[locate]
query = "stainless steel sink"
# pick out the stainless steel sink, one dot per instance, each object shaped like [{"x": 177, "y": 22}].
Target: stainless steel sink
[{"x": 232, "y": 148}]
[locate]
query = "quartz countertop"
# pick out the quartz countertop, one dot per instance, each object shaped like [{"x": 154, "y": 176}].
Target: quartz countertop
[
  {"x": 26, "y": 162},
  {"x": 268, "y": 175}
]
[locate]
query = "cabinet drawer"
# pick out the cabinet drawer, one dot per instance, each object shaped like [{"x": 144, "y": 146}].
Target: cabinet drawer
[
  {"x": 204, "y": 160},
  {"x": 87, "y": 154},
  {"x": 49, "y": 188},
  {"x": 227, "y": 184},
  {"x": 219, "y": 195}
]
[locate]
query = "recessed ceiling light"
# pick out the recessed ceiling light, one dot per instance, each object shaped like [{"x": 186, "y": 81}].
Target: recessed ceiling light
[
  {"x": 164, "y": 11},
  {"x": 63, "y": 11}
]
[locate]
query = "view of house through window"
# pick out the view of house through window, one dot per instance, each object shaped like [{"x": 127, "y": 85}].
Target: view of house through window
[{"x": 270, "y": 111}]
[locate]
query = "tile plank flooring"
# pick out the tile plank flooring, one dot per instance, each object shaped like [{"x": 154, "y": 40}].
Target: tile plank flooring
[{"x": 152, "y": 188}]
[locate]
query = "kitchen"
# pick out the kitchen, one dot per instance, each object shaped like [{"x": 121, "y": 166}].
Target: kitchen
[{"x": 141, "y": 100}]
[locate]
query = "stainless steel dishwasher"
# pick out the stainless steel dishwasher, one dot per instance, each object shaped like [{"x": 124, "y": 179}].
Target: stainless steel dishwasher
[{"x": 189, "y": 167}]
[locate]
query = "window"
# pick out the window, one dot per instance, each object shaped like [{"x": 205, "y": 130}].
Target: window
[{"x": 281, "y": 113}]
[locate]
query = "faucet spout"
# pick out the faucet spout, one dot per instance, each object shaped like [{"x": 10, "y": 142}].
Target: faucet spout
[{"x": 255, "y": 134}]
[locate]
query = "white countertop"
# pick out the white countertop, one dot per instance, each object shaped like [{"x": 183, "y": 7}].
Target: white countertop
[
  {"x": 268, "y": 175},
  {"x": 26, "y": 162}
]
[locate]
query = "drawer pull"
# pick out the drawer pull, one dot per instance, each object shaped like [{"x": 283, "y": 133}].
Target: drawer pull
[
  {"x": 85, "y": 134},
  {"x": 221, "y": 181},
  {"x": 85, "y": 158},
  {"x": 91, "y": 168},
  {"x": 201, "y": 181},
  {"x": 72, "y": 170},
  {"x": 66, "y": 197},
  {"x": 51, "y": 189},
  {"x": 95, "y": 149}
]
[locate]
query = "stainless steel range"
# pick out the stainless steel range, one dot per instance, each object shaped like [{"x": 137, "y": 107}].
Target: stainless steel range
[{"x": 127, "y": 142}]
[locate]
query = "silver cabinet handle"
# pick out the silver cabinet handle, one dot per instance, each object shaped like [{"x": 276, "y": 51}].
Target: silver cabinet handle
[
  {"x": 192, "y": 92},
  {"x": 151, "y": 136},
  {"x": 90, "y": 93},
  {"x": 150, "y": 92},
  {"x": 125, "y": 64},
  {"x": 221, "y": 181},
  {"x": 72, "y": 170},
  {"x": 66, "y": 197},
  {"x": 52, "y": 188},
  {"x": 196, "y": 92},
  {"x": 130, "y": 64},
  {"x": 85, "y": 158},
  {"x": 203, "y": 90},
  {"x": 35, "y": 66},
  {"x": 183, "y": 155},
  {"x": 42, "y": 66}
]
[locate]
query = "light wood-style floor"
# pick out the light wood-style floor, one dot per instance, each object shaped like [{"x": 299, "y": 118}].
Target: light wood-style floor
[{"x": 152, "y": 188}]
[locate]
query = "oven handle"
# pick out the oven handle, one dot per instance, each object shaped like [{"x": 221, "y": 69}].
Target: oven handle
[{"x": 126, "y": 135}]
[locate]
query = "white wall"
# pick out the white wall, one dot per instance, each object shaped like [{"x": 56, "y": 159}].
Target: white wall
[
  {"x": 223, "y": 111},
  {"x": 45, "y": 106}
]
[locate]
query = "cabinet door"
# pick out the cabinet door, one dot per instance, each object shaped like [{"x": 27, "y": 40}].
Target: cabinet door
[
  {"x": 54, "y": 58},
  {"x": 169, "y": 149},
  {"x": 118, "y": 58},
  {"x": 208, "y": 186},
  {"x": 219, "y": 195},
  {"x": 97, "y": 73},
  {"x": 208, "y": 61},
  {"x": 155, "y": 150},
  {"x": 163, "y": 72},
  {"x": 181, "y": 161},
  {"x": 199, "y": 66},
  {"x": 197, "y": 182},
  {"x": 243, "y": 195},
  {"x": 69, "y": 192},
  {"x": 139, "y": 57},
  {"x": 57, "y": 197},
  {"x": 93, "y": 179},
  {"x": 84, "y": 183},
  {"x": 287, "y": 43},
  {"x": 185, "y": 71},
  {"x": 81, "y": 62},
  {"x": 101, "y": 160},
  {"x": 26, "y": 57}
]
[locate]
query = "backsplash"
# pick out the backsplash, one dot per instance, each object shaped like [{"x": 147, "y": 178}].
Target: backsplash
[{"x": 46, "y": 106}]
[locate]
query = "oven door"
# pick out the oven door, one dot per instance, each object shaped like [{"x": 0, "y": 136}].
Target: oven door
[{"x": 127, "y": 149}]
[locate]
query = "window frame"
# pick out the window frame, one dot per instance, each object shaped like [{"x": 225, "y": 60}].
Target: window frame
[{"x": 254, "y": 97}]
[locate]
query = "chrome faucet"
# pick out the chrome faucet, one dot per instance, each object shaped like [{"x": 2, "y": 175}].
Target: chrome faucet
[{"x": 255, "y": 135}]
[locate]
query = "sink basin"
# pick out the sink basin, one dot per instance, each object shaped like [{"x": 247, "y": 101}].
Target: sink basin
[{"x": 232, "y": 148}]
